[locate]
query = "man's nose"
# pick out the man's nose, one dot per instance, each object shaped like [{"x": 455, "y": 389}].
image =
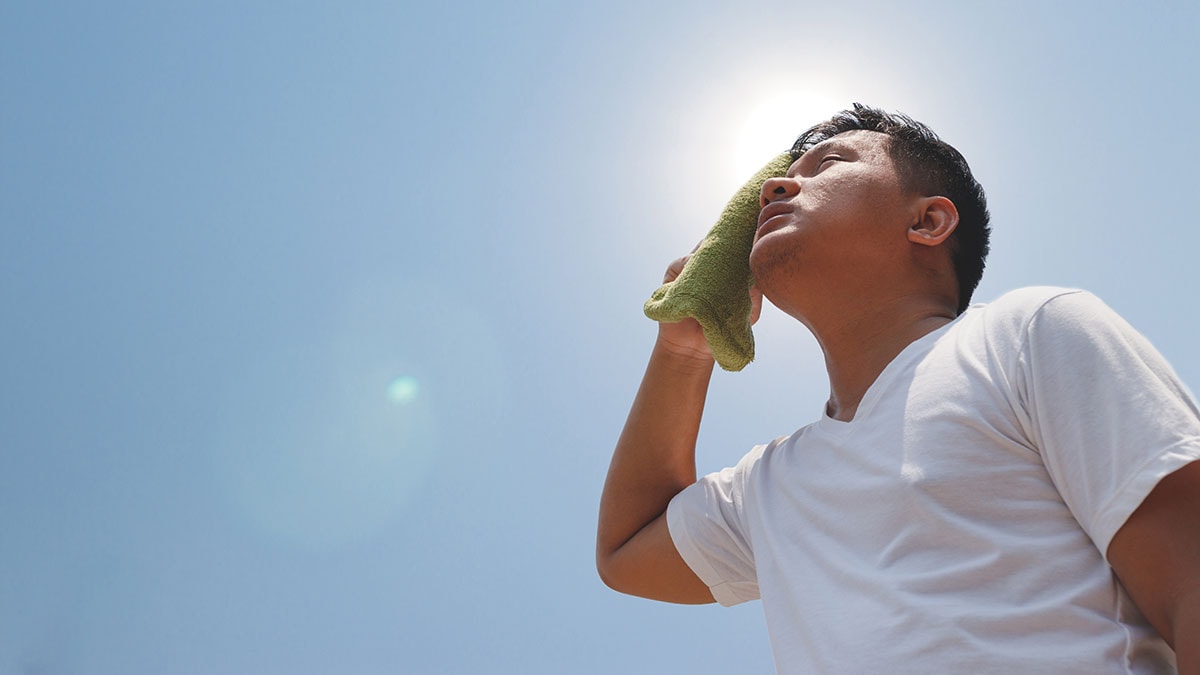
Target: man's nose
[{"x": 778, "y": 188}]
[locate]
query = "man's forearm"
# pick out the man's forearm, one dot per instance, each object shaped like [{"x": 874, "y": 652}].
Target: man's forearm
[{"x": 655, "y": 455}]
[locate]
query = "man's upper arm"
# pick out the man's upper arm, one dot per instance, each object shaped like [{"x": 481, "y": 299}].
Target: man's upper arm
[
  {"x": 649, "y": 566},
  {"x": 1156, "y": 555}
]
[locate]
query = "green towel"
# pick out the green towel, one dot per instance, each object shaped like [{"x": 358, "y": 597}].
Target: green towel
[{"x": 714, "y": 286}]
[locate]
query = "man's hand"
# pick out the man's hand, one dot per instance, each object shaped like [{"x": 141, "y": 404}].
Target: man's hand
[{"x": 686, "y": 338}]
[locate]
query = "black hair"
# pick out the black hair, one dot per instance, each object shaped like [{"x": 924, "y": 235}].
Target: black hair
[{"x": 930, "y": 166}]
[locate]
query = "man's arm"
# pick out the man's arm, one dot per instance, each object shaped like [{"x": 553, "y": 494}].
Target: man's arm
[
  {"x": 655, "y": 459},
  {"x": 1156, "y": 555}
]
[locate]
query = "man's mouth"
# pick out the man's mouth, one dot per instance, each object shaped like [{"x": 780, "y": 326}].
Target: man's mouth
[{"x": 773, "y": 210}]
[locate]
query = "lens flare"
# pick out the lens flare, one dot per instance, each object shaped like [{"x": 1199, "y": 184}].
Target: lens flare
[
  {"x": 403, "y": 390},
  {"x": 328, "y": 437}
]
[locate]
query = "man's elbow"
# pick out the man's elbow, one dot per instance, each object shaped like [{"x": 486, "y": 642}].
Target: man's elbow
[
  {"x": 621, "y": 574},
  {"x": 609, "y": 573},
  {"x": 649, "y": 577}
]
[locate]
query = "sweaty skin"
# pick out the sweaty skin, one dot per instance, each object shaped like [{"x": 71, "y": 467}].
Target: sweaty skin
[{"x": 714, "y": 286}]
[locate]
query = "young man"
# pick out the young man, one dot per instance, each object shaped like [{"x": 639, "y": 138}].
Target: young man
[{"x": 978, "y": 475}]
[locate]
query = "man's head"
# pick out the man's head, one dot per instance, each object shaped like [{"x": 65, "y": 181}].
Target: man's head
[{"x": 927, "y": 166}]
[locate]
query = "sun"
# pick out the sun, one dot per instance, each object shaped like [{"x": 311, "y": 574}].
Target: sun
[{"x": 772, "y": 125}]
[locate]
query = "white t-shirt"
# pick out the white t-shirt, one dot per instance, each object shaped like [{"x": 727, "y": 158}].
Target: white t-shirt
[{"x": 957, "y": 524}]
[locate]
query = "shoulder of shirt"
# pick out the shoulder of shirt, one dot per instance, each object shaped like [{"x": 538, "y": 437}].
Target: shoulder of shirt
[
  {"x": 765, "y": 451},
  {"x": 1029, "y": 299},
  {"x": 1019, "y": 307},
  {"x": 1042, "y": 310}
]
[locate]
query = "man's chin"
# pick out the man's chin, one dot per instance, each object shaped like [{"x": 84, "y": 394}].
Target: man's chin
[{"x": 767, "y": 259}]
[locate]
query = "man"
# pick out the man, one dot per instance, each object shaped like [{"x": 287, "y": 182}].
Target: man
[{"x": 978, "y": 476}]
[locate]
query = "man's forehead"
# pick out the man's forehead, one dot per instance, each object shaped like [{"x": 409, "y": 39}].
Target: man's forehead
[{"x": 857, "y": 139}]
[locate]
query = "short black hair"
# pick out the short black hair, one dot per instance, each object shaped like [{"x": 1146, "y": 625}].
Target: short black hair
[{"x": 930, "y": 166}]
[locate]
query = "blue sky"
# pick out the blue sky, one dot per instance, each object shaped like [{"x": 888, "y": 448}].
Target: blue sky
[{"x": 320, "y": 319}]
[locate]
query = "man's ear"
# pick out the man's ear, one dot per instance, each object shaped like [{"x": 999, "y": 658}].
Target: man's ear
[{"x": 937, "y": 218}]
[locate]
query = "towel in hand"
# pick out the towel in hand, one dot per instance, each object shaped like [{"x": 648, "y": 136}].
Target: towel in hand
[{"x": 714, "y": 286}]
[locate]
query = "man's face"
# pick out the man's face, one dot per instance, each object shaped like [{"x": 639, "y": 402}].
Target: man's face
[{"x": 839, "y": 214}]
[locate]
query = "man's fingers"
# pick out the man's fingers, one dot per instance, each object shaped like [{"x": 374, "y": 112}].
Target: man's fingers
[{"x": 675, "y": 268}]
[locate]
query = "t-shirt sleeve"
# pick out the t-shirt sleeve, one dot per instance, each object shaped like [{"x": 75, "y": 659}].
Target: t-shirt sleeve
[
  {"x": 706, "y": 522},
  {"x": 1108, "y": 414}
]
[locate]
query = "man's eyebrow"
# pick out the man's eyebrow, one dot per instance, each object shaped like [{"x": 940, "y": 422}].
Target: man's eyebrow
[{"x": 827, "y": 145}]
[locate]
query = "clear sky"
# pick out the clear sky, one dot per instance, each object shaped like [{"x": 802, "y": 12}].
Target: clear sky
[{"x": 318, "y": 321}]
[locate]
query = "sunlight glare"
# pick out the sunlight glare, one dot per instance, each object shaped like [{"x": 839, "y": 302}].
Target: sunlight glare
[{"x": 773, "y": 124}]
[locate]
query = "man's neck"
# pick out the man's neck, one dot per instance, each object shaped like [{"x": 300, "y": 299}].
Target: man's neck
[{"x": 858, "y": 347}]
